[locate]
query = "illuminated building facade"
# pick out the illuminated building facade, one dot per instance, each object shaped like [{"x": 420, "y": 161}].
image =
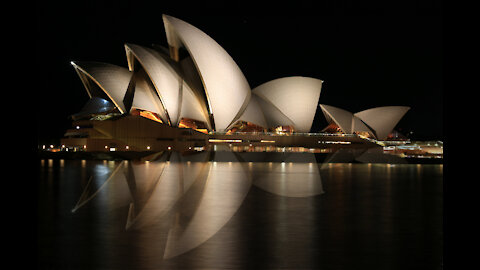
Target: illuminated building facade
[{"x": 193, "y": 94}]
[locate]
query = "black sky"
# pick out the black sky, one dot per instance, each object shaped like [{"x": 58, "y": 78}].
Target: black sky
[{"x": 369, "y": 55}]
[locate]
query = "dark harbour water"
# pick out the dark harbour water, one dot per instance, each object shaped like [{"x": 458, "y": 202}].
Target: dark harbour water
[{"x": 239, "y": 211}]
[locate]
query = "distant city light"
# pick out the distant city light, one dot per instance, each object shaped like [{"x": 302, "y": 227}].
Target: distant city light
[
  {"x": 126, "y": 147},
  {"x": 77, "y": 127},
  {"x": 169, "y": 148},
  {"x": 148, "y": 147}
]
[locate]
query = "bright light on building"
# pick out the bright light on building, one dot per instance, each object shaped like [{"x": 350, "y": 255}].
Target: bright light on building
[
  {"x": 126, "y": 147},
  {"x": 77, "y": 127},
  {"x": 148, "y": 147},
  {"x": 227, "y": 141},
  {"x": 169, "y": 148},
  {"x": 335, "y": 142}
]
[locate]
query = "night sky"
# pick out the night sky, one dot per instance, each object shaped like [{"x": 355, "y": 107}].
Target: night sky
[{"x": 368, "y": 56}]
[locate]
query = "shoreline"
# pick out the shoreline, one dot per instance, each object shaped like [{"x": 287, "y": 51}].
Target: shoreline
[{"x": 144, "y": 155}]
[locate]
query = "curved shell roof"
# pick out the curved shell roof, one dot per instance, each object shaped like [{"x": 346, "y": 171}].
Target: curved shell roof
[
  {"x": 296, "y": 97},
  {"x": 191, "y": 107},
  {"x": 273, "y": 115},
  {"x": 112, "y": 79},
  {"x": 359, "y": 126},
  {"x": 344, "y": 119},
  {"x": 145, "y": 97},
  {"x": 227, "y": 89},
  {"x": 341, "y": 117},
  {"x": 165, "y": 79},
  {"x": 382, "y": 119},
  {"x": 253, "y": 113}
]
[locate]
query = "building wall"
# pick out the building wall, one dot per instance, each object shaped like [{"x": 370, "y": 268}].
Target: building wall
[
  {"x": 141, "y": 134},
  {"x": 138, "y": 133}
]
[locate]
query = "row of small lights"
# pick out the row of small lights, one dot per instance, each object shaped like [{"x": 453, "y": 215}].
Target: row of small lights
[
  {"x": 106, "y": 147},
  {"x": 127, "y": 147}
]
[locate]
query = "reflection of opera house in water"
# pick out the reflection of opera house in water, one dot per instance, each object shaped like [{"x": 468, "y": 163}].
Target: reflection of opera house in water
[
  {"x": 189, "y": 198},
  {"x": 193, "y": 95}
]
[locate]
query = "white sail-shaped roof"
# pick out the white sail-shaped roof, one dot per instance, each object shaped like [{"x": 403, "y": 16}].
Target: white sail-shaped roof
[
  {"x": 165, "y": 79},
  {"x": 347, "y": 122},
  {"x": 382, "y": 119},
  {"x": 273, "y": 115},
  {"x": 296, "y": 97},
  {"x": 191, "y": 107},
  {"x": 253, "y": 113},
  {"x": 359, "y": 126},
  {"x": 341, "y": 117},
  {"x": 378, "y": 121},
  {"x": 227, "y": 89},
  {"x": 112, "y": 79},
  {"x": 145, "y": 96}
]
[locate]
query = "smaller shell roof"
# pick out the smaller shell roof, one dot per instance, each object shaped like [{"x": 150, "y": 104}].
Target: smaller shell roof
[
  {"x": 112, "y": 79},
  {"x": 341, "y": 117},
  {"x": 383, "y": 119}
]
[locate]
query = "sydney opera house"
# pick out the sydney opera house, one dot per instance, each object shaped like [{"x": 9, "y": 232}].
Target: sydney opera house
[{"x": 193, "y": 95}]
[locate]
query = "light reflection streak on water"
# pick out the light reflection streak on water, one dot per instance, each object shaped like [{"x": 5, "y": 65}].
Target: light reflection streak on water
[
  {"x": 222, "y": 195},
  {"x": 192, "y": 200}
]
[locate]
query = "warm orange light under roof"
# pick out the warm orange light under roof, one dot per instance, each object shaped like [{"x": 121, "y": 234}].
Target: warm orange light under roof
[
  {"x": 202, "y": 130},
  {"x": 151, "y": 116},
  {"x": 193, "y": 124},
  {"x": 284, "y": 129},
  {"x": 242, "y": 126}
]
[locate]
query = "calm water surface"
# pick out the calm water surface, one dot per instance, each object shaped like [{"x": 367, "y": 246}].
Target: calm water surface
[{"x": 243, "y": 211}]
